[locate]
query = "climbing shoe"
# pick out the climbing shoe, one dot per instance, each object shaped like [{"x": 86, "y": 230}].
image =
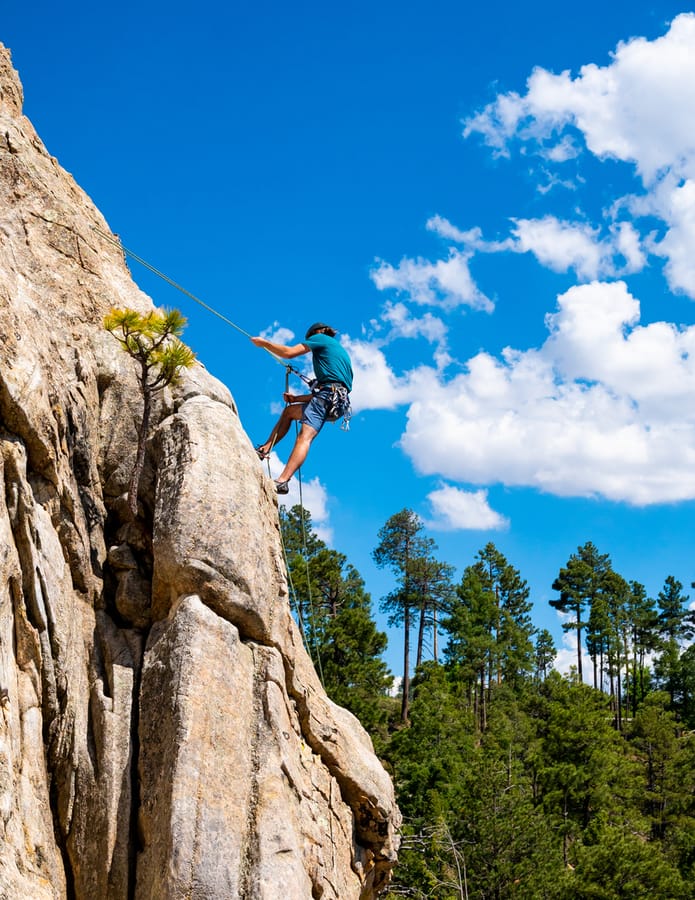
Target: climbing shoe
[
  {"x": 262, "y": 454},
  {"x": 282, "y": 487}
]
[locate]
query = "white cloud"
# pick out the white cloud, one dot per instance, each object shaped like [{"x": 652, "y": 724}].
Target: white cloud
[
  {"x": 375, "y": 385},
  {"x": 596, "y": 337},
  {"x": 455, "y": 509},
  {"x": 559, "y": 245},
  {"x": 278, "y": 333},
  {"x": 564, "y": 150},
  {"x": 562, "y": 246},
  {"x": 636, "y": 109},
  {"x": 404, "y": 325},
  {"x": 472, "y": 239},
  {"x": 602, "y": 408},
  {"x": 446, "y": 283},
  {"x": 640, "y": 110},
  {"x": 443, "y": 227},
  {"x": 677, "y": 245}
]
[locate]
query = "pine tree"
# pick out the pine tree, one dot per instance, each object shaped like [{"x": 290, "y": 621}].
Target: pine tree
[
  {"x": 470, "y": 650},
  {"x": 616, "y": 592},
  {"x": 545, "y": 653},
  {"x": 432, "y": 591},
  {"x": 490, "y": 629},
  {"x": 675, "y": 626},
  {"x": 580, "y": 769},
  {"x": 152, "y": 341},
  {"x": 579, "y": 584},
  {"x": 400, "y": 542},
  {"x": 643, "y": 621}
]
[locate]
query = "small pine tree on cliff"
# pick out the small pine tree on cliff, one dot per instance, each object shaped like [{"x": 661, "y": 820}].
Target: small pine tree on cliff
[{"x": 153, "y": 341}]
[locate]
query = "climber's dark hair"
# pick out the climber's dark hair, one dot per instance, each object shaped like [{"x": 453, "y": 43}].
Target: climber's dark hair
[{"x": 320, "y": 327}]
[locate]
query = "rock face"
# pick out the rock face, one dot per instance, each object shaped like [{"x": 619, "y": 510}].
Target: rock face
[{"x": 163, "y": 733}]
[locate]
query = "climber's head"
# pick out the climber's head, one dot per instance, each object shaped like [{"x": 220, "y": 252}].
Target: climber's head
[{"x": 320, "y": 328}]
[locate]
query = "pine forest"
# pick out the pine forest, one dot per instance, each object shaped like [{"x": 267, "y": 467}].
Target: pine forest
[{"x": 515, "y": 781}]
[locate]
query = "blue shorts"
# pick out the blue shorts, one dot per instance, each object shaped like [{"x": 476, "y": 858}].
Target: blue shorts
[{"x": 315, "y": 412}]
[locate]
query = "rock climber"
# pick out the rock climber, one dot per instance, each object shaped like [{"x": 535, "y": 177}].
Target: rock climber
[{"x": 329, "y": 398}]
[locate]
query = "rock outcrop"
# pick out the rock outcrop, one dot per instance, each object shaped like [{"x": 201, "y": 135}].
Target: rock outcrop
[{"x": 163, "y": 733}]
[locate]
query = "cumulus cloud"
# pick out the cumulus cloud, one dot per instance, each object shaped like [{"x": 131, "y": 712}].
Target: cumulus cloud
[
  {"x": 472, "y": 239},
  {"x": 640, "y": 110},
  {"x": 443, "y": 227},
  {"x": 455, "y": 509},
  {"x": 279, "y": 334},
  {"x": 446, "y": 283},
  {"x": 562, "y": 246},
  {"x": 375, "y": 386},
  {"x": 557, "y": 244},
  {"x": 635, "y": 109},
  {"x": 602, "y": 408},
  {"x": 677, "y": 245},
  {"x": 404, "y": 325}
]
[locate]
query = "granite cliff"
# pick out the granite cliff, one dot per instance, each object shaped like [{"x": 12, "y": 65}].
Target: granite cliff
[{"x": 163, "y": 733}]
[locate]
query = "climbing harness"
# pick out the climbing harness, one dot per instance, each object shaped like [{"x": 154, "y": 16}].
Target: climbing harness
[{"x": 336, "y": 400}]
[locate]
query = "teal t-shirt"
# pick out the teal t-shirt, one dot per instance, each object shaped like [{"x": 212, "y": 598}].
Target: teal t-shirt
[{"x": 330, "y": 359}]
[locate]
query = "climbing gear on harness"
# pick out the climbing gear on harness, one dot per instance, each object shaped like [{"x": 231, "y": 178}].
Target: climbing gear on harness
[
  {"x": 336, "y": 400},
  {"x": 339, "y": 407}
]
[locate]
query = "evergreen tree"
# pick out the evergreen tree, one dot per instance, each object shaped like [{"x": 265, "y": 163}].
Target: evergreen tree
[
  {"x": 642, "y": 618},
  {"x": 580, "y": 770},
  {"x": 616, "y": 593},
  {"x": 654, "y": 736},
  {"x": 490, "y": 629},
  {"x": 545, "y": 653},
  {"x": 432, "y": 591},
  {"x": 675, "y": 626},
  {"x": 579, "y": 584},
  {"x": 687, "y": 683},
  {"x": 470, "y": 649},
  {"x": 400, "y": 542},
  {"x": 428, "y": 760},
  {"x": 617, "y": 865},
  {"x": 152, "y": 340}
]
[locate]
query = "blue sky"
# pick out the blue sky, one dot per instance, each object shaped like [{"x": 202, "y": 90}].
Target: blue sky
[{"x": 494, "y": 206}]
